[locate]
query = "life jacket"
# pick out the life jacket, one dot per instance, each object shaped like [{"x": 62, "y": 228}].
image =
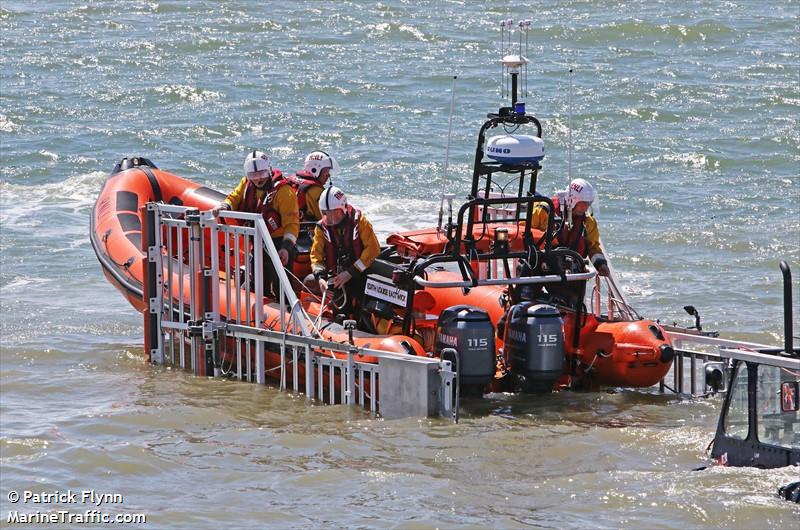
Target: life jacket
[
  {"x": 574, "y": 238},
  {"x": 251, "y": 204},
  {"x": 342, "y": 240},
  {"x": 302, "y": 181}
]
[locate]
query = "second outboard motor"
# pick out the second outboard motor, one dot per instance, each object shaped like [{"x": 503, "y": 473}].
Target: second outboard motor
[
  {"x": 534, "y": 340},
  {"x": 470, "y": 331}
]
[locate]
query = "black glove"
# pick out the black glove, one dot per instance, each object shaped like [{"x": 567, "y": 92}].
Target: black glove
[{"x": 599, "y": 262}]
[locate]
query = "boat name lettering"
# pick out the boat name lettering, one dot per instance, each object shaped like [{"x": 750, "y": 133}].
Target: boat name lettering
[{"x": 388, "y": 293}]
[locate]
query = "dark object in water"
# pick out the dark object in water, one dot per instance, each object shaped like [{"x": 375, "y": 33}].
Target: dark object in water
[{"x": 790, "y": 492}]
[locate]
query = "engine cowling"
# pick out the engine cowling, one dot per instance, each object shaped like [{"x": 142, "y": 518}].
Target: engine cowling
[
  {"x": 469, "y": 330},
  {"x": 534, "y": 341}
]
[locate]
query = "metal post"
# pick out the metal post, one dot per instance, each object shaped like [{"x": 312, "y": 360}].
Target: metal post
[
  {"x": 213, "y": 315},
  {"x": 237, "y": 288},
  {"x": 152, "y": 286},
  {"x": 168, "y": 286},
  {"x": 248, "y": 274},
  {"x": 350, "y": 394},
  {"x": 320, "y": 390},
  {"x": 351, "y": 376},
  {"x": 282, "y": 385},
  {"x": 787, "y": 308},
  {"x": 295, "y": 383},
  {"x": 208, "y": 325},
  {"x": 179, "y": 295},
  {"x": 309, "y": 371},
  {"x": 331, "y": 384},
  {"x": 195, "y": 282},
  {"x": 373, "y": 395},
  {"x": 258, "y": 272},
  {"x": 361, "y": 386}
]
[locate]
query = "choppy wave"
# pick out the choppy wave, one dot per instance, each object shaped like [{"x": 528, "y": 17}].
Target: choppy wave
[{"x": 22, "y": 202}]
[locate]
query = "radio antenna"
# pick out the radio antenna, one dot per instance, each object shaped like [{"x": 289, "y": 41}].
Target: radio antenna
[
  {"x": 502, "y": 53},
  {"x": 447, "y": 150},
  {"x": 513, "y": 64},
  {"x": 569, "y": 128},
  {"x": 524, "y": 25}
]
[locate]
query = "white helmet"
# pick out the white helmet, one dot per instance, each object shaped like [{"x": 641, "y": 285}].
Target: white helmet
[
  {"x": 316, "y": 161},
  {"x": 332, "y": 198},
  {"x": 256, "y": 161},
  {"x": 581, "y": 191}
]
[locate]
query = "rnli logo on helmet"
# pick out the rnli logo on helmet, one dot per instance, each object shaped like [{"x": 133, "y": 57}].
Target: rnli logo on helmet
[
  {"x": 263, "y": 157},
  {"x": 499, "y": 150},
  {"x": 316, "y": 156},
  {"x": 339, "y": 194},
  {"x": 576, "y": 187}
]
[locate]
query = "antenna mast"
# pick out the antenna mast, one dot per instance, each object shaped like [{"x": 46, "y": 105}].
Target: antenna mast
[
  {"x": 569, "y": 128},
  {"x": 514, "y": 64},
  {"x": 447, "y": 151}
]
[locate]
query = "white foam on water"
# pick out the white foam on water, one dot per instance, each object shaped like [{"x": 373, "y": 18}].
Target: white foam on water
[
  {"x": 188, "y": 93},
  {"x": 23, "y": 205},
  {"x": 7, "y": 125}
]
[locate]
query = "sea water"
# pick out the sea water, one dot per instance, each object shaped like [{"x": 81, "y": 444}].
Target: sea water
[{"x": 683, "y": 115}]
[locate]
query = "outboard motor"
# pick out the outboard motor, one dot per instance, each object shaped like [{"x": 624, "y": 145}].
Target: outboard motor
[
  {"x": 470, "y": 331},
  {"x": 534, "y": 340}
]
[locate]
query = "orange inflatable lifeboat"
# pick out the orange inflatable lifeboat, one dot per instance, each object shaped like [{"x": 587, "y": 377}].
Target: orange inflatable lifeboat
[
  {"x": 485, "y": 289},
  {"x": 604, "y": 352}
]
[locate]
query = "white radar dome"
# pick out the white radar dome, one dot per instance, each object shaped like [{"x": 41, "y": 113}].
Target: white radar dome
[{"x": 515, "y": 148}]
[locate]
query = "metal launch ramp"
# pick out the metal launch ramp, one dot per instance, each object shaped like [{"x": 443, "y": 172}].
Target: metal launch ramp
[{"x": 187, "y": 325}]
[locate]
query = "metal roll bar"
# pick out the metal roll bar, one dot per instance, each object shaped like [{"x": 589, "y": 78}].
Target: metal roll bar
[{"x": 571, "y": 277}]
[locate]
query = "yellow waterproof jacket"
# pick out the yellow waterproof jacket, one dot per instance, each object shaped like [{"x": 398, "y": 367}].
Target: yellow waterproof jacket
[
  {"x": 591, "y": 234},
  {"x": 354, "y": 234},
  {"x": 284, "y": 201},
  {"x": 312, "y": 203}
]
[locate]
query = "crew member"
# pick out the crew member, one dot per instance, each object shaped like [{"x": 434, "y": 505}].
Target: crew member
[
  {"x": 344, "y": 246},
  {"x": 264, "y": 190},
  {"x": 578, "y": 229},
  {"x": 309, "y": 183}
]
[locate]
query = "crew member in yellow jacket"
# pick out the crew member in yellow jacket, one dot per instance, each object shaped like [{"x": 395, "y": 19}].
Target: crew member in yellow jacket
[
  {"x": 344, "y": 247},
  {"x": 264, "y": 190},
  {"x": 581, "y": 233},
  {"x": 308, "y": 184}
]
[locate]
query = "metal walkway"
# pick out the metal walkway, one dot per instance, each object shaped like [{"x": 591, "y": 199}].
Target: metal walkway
[{"x": 201, "y": 279}]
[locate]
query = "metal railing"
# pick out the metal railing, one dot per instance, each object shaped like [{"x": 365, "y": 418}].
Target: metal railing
[
  {"x": 692, "y": 355},
  {"x": 204, "y": 283}
]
